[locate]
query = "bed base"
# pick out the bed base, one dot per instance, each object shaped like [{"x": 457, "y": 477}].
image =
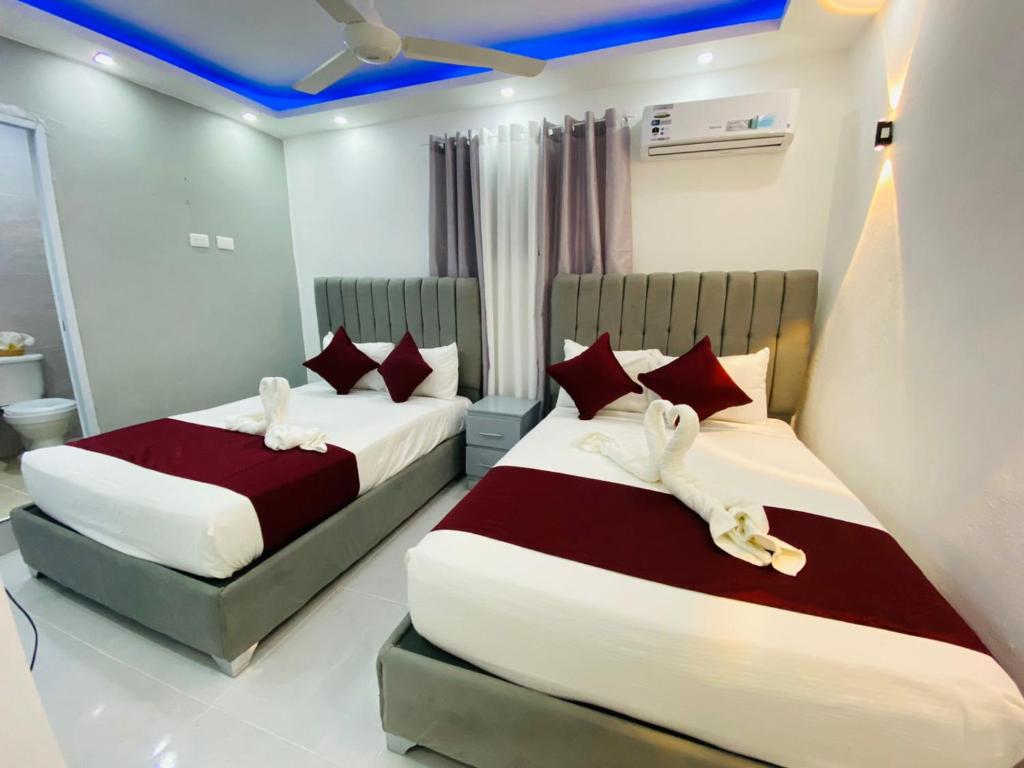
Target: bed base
[
  {"x": 227, "y": 618},
  {"x": 433, "y": 699}
]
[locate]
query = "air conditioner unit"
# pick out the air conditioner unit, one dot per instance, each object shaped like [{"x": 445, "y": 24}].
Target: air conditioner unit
[{"x": 737, "y": 125}]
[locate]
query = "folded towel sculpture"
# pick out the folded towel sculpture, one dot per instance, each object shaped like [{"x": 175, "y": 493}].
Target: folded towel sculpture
[
  {"x": 738, "y": 527},
  {"x": 278, "y": 436}
]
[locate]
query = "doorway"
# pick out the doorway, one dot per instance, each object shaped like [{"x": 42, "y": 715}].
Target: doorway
[{"x": 35, "y": 294}]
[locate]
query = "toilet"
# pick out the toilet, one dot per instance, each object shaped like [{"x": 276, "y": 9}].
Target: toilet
[{"x": 39, "y": 421}]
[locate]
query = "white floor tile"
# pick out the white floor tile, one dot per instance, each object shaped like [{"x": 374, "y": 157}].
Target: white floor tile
[
  {"x": 103, "y": 713},
  {"x": 120, "y": 696},
  {"x": 383, "y": 573},
  {"x": 7, "y": 541},
  {"x": 11, "y": 498},
  {"x": 319, "y": 689},
  {"x": 216, "y": 739}
]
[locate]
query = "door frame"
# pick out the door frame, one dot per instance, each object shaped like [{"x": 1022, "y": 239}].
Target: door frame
[{"x": 56, "y": 262}]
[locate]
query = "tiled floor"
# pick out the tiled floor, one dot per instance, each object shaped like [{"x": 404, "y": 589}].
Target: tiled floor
[
  {"x": 12, "y": 494},
  {"x": 119, "y": 695}
]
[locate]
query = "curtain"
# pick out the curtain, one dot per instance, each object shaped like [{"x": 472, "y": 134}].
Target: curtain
[
  {"x": 514, "y": 208},
  {"x": 585, "y": 219},
  {"x": 454, "y": 223},
  {"x": 454, "y": 207},
  {"x": 508, "y": 185}
]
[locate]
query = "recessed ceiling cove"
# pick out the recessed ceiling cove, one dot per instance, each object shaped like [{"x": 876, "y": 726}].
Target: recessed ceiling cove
[{"x": 260, "y": 48}]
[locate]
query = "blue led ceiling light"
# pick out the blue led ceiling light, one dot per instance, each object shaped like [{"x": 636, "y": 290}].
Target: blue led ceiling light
[{"x": 367, "y": 80}]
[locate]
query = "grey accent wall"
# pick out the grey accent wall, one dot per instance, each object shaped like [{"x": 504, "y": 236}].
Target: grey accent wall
[{"x": 165, "y": 328}]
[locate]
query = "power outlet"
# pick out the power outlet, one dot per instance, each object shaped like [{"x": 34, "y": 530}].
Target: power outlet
[{"x": 225, "y": 243}]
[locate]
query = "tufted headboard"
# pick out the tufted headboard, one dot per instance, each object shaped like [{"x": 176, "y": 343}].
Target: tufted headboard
[
  {"x": 740, "y": 311},
  {"x": 436, "y": 310}
]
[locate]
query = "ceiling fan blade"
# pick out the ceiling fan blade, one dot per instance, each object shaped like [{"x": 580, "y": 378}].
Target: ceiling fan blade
[
  {"x": 471, "y": 56},
  {"x": 328, "y": 73},
  {"x": 342, "y": 11}
]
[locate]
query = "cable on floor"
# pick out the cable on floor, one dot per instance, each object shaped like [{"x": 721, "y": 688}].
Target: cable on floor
[{"x": 35, "y": 632}]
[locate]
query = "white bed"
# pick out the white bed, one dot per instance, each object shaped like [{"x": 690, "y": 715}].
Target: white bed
[
  {"x": 212, "y": 531},
  {"x": 781, "y": 686}
]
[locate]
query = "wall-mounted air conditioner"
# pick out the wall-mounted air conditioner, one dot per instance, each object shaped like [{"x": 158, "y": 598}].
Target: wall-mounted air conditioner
[{"x": 760, "y": 122}]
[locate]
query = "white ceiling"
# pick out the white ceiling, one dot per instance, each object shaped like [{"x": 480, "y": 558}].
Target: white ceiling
[{"x": 277, "y": 41}]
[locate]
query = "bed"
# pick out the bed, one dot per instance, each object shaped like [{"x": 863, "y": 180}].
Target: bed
[
  {"x": 549, "y": 628},
  {"x": 120, "y": 519}
]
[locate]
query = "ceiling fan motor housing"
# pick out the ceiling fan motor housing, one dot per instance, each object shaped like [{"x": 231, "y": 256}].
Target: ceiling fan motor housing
[{"x": 372, "y": 43}]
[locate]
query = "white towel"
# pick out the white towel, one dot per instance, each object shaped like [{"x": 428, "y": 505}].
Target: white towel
[
  {"x": 737, "y": 526},
  {"x": 274, "y": 395},
  {"x": 658, "y": 415},
  {"x": 284, "y": 437},
  {"x": 278, "y": 435}
]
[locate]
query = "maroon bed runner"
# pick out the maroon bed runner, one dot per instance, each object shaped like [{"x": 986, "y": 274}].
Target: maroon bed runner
[
  {"x": 854, "y": 573},
  {"x": 291, "y": 490}
]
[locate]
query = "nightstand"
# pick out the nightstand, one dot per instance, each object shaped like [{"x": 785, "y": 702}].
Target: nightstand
[{"x": 493, "y": 425}]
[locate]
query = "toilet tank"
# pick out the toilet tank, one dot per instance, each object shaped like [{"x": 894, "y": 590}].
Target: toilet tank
[{"x": 21, "y": 378}]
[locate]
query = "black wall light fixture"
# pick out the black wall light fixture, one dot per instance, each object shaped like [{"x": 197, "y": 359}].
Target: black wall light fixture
[{"x": 883, "y": 135}]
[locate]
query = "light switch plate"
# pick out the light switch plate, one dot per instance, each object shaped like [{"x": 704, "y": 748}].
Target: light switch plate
[
  {"x": 197, "y": 240},
  {"x": 225, "y": 243}
]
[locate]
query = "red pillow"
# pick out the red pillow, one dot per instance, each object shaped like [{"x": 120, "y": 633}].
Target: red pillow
[
  {"x": 698, "y": 380},
  {"x": 404, "y": 369},
  {"x": 341, "y": 363},
  {"x": 594, "y": 378}
]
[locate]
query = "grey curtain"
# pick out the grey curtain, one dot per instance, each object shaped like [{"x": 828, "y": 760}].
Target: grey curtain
[
  {"x": 455, "y": 207},
  {"x": 456, "y": 248},
  {"x": 585, "y": 216}
]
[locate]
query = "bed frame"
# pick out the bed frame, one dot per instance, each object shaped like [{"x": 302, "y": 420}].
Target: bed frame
[
  {"x": 431, "y": 698},
  {"x": 227, "y": 618}
]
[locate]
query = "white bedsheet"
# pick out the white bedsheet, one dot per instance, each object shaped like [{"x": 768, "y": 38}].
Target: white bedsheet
[
  {"x": 209, "y": 530},
  {"x": 785, "y": 687}
]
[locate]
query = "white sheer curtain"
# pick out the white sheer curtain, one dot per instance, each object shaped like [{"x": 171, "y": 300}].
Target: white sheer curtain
[{"x": 509, "y": 175}]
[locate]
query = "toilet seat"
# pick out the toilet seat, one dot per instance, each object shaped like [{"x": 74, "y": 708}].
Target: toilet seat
[{"x": 34, "y": 411}]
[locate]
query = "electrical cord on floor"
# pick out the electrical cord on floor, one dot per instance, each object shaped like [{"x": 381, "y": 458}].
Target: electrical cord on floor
[{"x": 35, "y": 632}]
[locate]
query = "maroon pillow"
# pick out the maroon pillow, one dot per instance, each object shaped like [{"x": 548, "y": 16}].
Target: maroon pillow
[
  {"x": 594, "y": 378},
  {"x": 404, "y": 369},
  {"x": 698, "y": 380},
  {"x": 341, "y": 363}
]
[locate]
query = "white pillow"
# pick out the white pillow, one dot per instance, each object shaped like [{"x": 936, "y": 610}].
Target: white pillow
[
  {"x": 376, "y": 351},
  {"x": 443, "y": 382},
  {"x": 633, "y": 362},
  {"x": 750, "y": 372}
]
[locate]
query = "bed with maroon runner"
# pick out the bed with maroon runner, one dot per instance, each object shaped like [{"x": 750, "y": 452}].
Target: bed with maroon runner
[
  {"x": 290, "y": 491},
  {"x": 563, "y": 573},
  {"x": 188, "y": 493},
  {"x": 212, "y": 538},
  {"x": 854, "y": 573}
]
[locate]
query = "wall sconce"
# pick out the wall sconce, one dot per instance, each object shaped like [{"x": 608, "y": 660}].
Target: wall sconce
[{"x": 883, "y": 135}]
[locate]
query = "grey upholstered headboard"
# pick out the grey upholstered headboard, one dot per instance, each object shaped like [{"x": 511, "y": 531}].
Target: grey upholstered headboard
[
  {"x": 740, "y": 311},
  {"x": 436, "y": 310}
]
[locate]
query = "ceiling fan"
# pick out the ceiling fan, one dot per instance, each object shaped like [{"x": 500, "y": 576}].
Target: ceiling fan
[{"x": 369, "y": 41}]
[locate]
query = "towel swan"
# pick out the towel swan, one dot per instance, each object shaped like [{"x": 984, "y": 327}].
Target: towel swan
[
  {"x": 658, "y": 415},
  {"x": 275, "y": 393},
  {"x": 738, "y": 527}
]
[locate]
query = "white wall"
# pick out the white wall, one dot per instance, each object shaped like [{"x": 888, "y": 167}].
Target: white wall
[
  {"x": 359, "y": 196},
  {"x": 915, "y": 392}
]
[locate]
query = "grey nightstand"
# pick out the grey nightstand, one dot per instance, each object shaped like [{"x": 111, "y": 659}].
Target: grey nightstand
[{"x": 493, "y": 425}]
